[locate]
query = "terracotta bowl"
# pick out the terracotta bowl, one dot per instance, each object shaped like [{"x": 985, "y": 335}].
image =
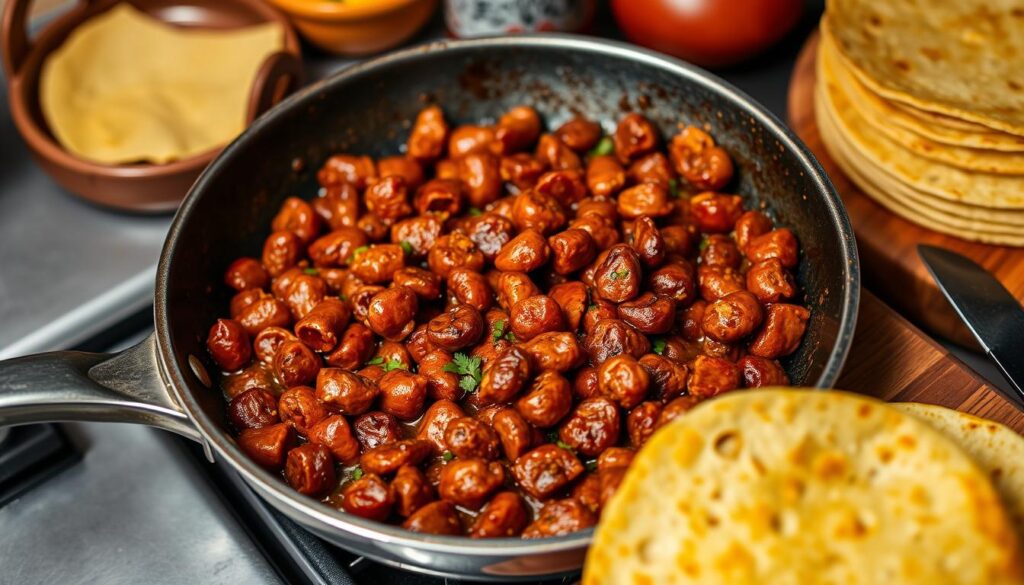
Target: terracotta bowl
[
  {"x": 360, "y": 29},
  {"x": 146, "y": 188}
]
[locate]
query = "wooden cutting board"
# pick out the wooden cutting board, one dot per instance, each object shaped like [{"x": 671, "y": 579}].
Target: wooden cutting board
[
  {"x": 893, "y": 360},
  {"x": 888, "y": 243}
]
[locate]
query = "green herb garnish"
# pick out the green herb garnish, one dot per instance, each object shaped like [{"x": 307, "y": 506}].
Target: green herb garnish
[
  {"x": 448, "y": 456},
  {"x": 466, "y": 367},
  {"x": 358, "y": 252},
  {"x": 604, "y": 146},
  {"x": 673, "y": 188},
  {"x": 311, "y": 271},
  {"x": 563, "y": 445},
  {"x": 704, "y": 243},
  {"x": 659, "y": 345},
  {"x": 591, "y": 465},
  {"x": 357, "y": 473},
  {"x": 406, "y": 247},
  {"x": 501, "y": 331},
  {"x": 473, "y": 211},
  {"x": 392, "y": 364},
  {"x": 619, "y": 274}
]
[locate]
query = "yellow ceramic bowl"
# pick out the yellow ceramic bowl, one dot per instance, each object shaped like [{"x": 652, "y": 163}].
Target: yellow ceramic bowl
[{"x": 357, "y": 28}]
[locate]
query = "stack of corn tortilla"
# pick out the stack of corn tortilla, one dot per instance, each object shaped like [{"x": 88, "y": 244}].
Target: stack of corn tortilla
[{"x": 922, "y": 105}]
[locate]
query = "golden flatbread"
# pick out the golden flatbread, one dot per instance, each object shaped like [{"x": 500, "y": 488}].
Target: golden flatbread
[
  {"x": 954, "y": 57},
  {"x": 127, "y": 88},
  {"x": 997, "y": 449},
  {"x": 796, "y": 487}
]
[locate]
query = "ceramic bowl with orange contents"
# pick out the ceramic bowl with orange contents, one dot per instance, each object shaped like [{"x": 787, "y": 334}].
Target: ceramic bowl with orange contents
[{"x": 357, "y": 27}]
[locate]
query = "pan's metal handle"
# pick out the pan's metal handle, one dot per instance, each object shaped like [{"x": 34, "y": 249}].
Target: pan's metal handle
[{"x": 72, "y": 385}]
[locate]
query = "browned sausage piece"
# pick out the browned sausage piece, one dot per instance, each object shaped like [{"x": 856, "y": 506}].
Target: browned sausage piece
[
  {"x": 368, "y": 497},
  {"x": 468, "y": 437},
  {"x": 615, "y": 457},
  {"x": 515, "y": 433},
  {"x": 648, "y": 243},
  {"x": 579, "y": 134},
  {"x": 354, "y": 348},
  {"x": 592, "y": 427},
  {"x": 387, "y": 458},
  {"x": 299, "y": 407},
  {"x": 560, "y": 517},
  {"x": 718, "y": 281},
  {"x": 268, "y": 341},
  {"x": 256, "y": 376},
  {"x": 388, "y": 199},
  {"x": 668, "y": 377},
  {"x": 469, "y": 138},
  {"x": 228, "y": 344},
  {"x": 406, "y": 167},
  {"x": 623, "y": 380},
  {"x": 338, "y": 207},
  {"x": 526, "y": 252},
  {"x": 244, "y": 299},
  {"x": 652, "y": 168},
  {"x": 675, "y": 279},
  {"x": 310, "y": 469},
  {"x": 441, "y": 384},
  {"x": 344, "y": 391},
  {"x": 546, "y": 470},
  {"x": 514, "y": 287},
  {"x": 720, "y": 250},
  {"x": 392, "y": 313},
  {"x": 505, "y": 515},
  {"x": 732, "y": 317},
  {"x": 634, "y": 137},
  {"x": 411, "y": 490},
  {"x": 377, "y": 263},
  {"x": 469, "y": 482},
  {"x": 322, "y": 326},
  {"x": 585, "y": 384},
  {"x": 547, "y": 401},
  {"x": 699, "y": 161},
  {"x": 345, "y": 168},
  {"x": 505, "y": 376},
  {"x": 645, "y": 199},
  {"x": 642, "y": 421},
  {"x": 253, "y": 409},
  {"x": 429, "y": 135},
  {"x": 295, "y": 364},
  {"x": 335, "y": 248},
  {"x": 481, "y": 174},
  {"x": 759, "y": 372},
  {"x": 588, "y": 491},
  {"x": 572, "y": 297},
  {"x": 522, "y": 170},
  {"x": 304, "y": 293},
  {"x": 610, "y": 479},
  {"x": 716, "y": 212},
  {"x": 376, "y": 428},
  {"x": 281, "y": 251},
  {"x": 612, "y": 337},
  {"x": 554, "y": 153},
  {"x": 649, "y": 313},
  {"x": 335, "y": 433},
  {"x": 435, "y": 421},
  {"x": 435, "y": 518},
  {"x": 470, "y": 288},
  {"x": 750, "y": 225},
  {"x": 535, "y": 315},
  {"x": 268, "y": 445},
  {"x": 516, "y": 130},
  {"x": 770, "y": 282},
  {"x": 779, "y": 243},
  {"x": 618, "y": 275},
  {"x": 246, "y": 273},
  {"x": 297, "y": 216},
  {"x": 440, "y": 197},
  {"x": 784, "y": 327},
  {"x": 460, "y": 327},
  {"x": 572, "y": 250},
  {"x": 605, "y": 176},
  {"x": 710, "y": 376},
  {"x": 403, "y": 394}
]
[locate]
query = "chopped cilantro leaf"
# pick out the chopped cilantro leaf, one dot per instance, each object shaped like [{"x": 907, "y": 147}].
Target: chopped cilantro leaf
[
  {"x": 312, "y": 271},
  {"x": 563, "y": 445},
  {"x": 604, "y": 146},
  {"x": 466, "y": 367},
  {"x": 379, "y": 360},
  {"x": 619, "y": 274},
  {"x": 473, "y": 212},
  {"x": 499, "y": 330},
  {"x": 357, "y": 473},
  {"x": 357, "y": 252},
  {"x": 659, "y": 345},
  {"x": 448, "y": 456},
  {"x": 673, "y": 188},
  {"x": 406, "y": 247},
  {"x": 704, "y": 243}
]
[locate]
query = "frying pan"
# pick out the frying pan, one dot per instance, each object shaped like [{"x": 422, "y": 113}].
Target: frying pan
[{"x": 367, "y": 109}]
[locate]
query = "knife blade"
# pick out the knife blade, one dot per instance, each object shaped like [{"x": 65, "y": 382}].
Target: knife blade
[{"x": 991, "y": 313}]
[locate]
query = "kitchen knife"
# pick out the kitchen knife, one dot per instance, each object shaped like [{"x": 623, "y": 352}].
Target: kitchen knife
[{"x": 992, "y": 314}]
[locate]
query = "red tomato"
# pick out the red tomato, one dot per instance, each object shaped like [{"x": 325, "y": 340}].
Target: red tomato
[{"x": 707, "y": 32}]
